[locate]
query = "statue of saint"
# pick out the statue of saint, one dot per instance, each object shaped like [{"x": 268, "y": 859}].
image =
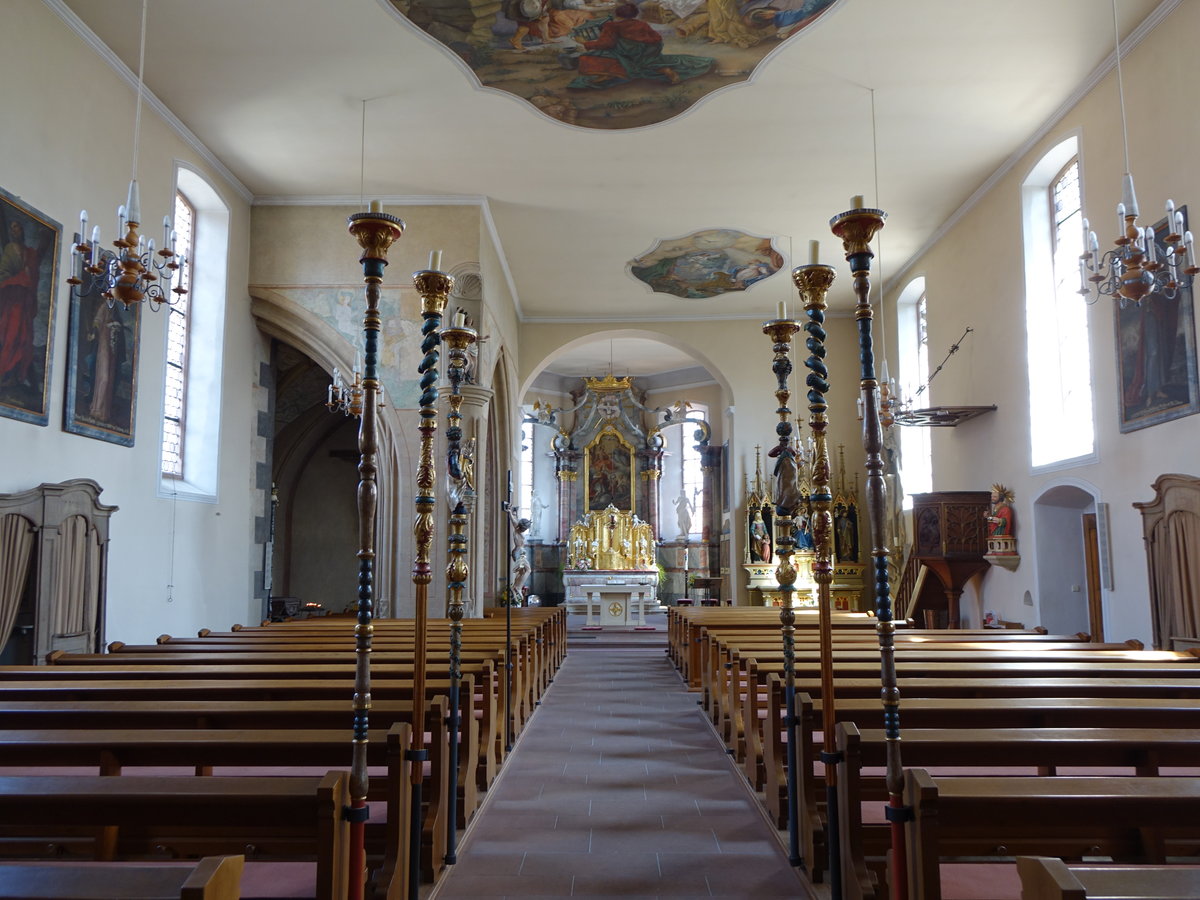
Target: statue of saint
[
  {"x": 1000, "y": 516},
  {"x": 536, "y": 507},
  {"x": 760, "y": 541},
  {"x": 683, "y": 510}
]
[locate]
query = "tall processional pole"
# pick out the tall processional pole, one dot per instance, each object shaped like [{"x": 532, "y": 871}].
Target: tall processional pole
[
  {"x": 434, "y": 287},
  {"x": 375, "y": 231},
  {"x": 813, "y": 282},
  {"x": 857, "y": 228},
  {"x": 460, "y": 480}
]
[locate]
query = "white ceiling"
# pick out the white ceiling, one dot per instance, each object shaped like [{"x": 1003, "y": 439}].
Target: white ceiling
[{"x": 274, "y": 89}]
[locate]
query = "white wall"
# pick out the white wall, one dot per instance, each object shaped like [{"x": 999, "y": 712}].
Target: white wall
[
  {"x": 66, "y": 144},
  {"x": 975, "y": 277}
]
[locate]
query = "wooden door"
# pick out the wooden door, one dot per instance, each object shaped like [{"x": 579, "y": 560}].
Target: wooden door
[{"x": 1091, "y": 560}]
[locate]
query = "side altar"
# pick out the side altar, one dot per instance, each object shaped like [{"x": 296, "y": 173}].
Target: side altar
[{"x": 611, "y": 575}]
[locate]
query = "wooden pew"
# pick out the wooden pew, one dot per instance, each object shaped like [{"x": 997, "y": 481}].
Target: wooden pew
[
  {"x": 864, "y": 846},
  {"x": 1128, "y": 819},
  {"x": 205, "y": 813},
  {"x": 212, "y": 878},
  {"x": 1044, "y": 878}
]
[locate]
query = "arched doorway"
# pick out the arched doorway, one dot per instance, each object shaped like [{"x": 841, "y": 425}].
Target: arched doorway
[{"x": 1067, "y": 534}]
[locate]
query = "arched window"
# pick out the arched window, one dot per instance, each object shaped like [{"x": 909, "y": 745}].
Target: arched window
[
  {"x": 916, "y": 451},
  {"x": 1061, "y": 404},
  {"x": 195, "y": 337},
  {"x": 683, "y": 475}
]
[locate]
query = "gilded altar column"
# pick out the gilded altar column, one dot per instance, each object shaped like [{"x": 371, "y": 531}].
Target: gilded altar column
[
  {"x": 647, "y": 505},
  {"x": 710, "y": 465},
  {"x": 566, "y": 472}
]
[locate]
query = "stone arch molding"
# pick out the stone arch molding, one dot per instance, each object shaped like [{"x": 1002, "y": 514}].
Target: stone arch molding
[{"x": 279, "y": 317}]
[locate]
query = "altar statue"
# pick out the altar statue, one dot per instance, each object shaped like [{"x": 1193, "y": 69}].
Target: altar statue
[
  {"x": 760, "y": 541},
  {"x": 536, "y": 507},
  {"x": 684, "y": 507}
]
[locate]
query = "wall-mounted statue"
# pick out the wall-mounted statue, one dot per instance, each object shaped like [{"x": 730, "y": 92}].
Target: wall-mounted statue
[{"x": 1001, "y": 527}]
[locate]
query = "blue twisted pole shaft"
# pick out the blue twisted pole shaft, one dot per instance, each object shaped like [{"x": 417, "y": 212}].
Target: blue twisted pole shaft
[
  {"x": 434, "y": 288},
  {"x": 375, "y": 232},
  {"x": 813, "y": 282},
  {"x": 857, "y": 228}
]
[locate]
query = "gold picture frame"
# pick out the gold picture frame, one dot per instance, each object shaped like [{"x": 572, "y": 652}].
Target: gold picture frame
[{"x": 609, "y": 462}]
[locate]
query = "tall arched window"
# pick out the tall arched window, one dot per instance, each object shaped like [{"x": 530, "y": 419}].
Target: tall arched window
[
  {"x": 1061, "y": 404},
  {"x": 916, "y": 451},
  {"x": 194, "y": 345}
]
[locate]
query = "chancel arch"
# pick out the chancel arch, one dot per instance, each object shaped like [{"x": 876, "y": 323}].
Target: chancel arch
[{"x": 607, "y": 423}]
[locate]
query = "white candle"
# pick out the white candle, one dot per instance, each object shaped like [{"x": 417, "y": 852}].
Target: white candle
[
  {"x": 460, "y": 318},
  {"x": 121, "y": 221},
  {"x": 376, "y": 206},
  {"x": 780, "y": 314},
  {"x": 1083, "y": 282},
  {"x": 83, "y": 225},
  {"x": 856, "y": 202},
  {"x": 1120, "y": 220},
  {"x": 1170, "y": 214},
  {"x": 1190, "y": 244},
  {"x": 814, "y": 252},
  {"x": 1086, "y": 232},
  {"x": 95, "y": 244},
  {"x": 435, "y": 260},
  {"x": 1179, "y": 223},
  {"x": 1128, "y": 195},
  {"x": 166, "y": 230}
]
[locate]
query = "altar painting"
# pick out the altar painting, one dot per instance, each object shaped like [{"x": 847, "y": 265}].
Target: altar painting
[
  {"x": 609, "y": 64},
  {"x": 608, "y": 472},
  {"x": 707, "y": 263}
]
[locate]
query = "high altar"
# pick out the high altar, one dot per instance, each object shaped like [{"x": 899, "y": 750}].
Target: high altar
[
  {"x": 611, "y": 575},
  {"x": 607, "y": 449}
]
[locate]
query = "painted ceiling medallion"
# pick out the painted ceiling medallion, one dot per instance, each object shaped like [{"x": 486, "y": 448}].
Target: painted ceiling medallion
[
  {"x": 611, "y": 63},
  {"x": 707, "y": 263}
]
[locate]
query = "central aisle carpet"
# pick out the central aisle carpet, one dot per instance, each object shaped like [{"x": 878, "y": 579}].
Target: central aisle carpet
[{"x": 619, "y": 788}]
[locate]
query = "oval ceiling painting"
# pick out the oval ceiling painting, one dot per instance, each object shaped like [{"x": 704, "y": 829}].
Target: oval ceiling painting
[
  {"x": 611, "y": 63},
  {"x": 707, "y": 263}
]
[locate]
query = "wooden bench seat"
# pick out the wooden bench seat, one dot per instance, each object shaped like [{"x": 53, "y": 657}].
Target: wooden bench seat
[
  {"x": 212, "y": 878},
  {"x": 1029, "y": 751},
  {"x": 1140, "y": 820},
  {"x": 1048, "y": 878},
  {"x": 281, "y": 816}
]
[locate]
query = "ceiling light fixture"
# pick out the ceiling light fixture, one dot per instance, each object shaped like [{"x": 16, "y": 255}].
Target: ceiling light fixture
[
  {"x": 1141, "y": 263},
  {"x": 136, "y": 271}
]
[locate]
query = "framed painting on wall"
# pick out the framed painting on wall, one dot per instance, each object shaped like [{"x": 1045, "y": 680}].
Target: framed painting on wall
[
  {"x": 29, "y": 248},
  {"x": 608, "y": 472},
  {"x": 102, "y": 356},
  {"x": 1156, "y": 355}
]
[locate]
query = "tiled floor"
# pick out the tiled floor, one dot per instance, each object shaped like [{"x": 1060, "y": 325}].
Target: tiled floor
[{"x": 619, "y": 788}]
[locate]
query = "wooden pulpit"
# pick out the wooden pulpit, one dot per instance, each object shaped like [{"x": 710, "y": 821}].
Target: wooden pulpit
[{"x": 950, "y": 540}]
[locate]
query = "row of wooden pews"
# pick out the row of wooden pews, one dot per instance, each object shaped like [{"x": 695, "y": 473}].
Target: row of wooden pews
[
  {"x": 1018, "y": 743},
  {"x": 234, "y": 743}
]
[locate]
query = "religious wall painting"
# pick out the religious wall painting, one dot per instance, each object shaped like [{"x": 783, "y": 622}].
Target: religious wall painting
[
  {"x": 102, "y": 359},
  {"x": 707, "y": 263},
  {"x": 1156, "y": 355},
  {"x": 607, "y": 64},
  {"x": 399, "y": 338},
  {"x": 29, "y": 250},
  {"x": 608, "y": 472}
]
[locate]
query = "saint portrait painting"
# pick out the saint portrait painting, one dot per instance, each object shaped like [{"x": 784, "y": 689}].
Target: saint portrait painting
[
  {"x": 29, "y": 246},
  {"x": 609, "y": 473},
  {"x": 101, "y": 366}
]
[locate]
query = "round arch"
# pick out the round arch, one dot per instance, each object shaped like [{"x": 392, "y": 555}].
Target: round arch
[
  {"x": 1067, "y": 529},
  {"x": 662, "y": 337}
]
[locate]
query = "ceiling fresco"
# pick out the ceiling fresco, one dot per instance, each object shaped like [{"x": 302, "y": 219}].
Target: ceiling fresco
[
  {"x": 707, "y": 263},
  {"x": 611, "y": 64}
]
